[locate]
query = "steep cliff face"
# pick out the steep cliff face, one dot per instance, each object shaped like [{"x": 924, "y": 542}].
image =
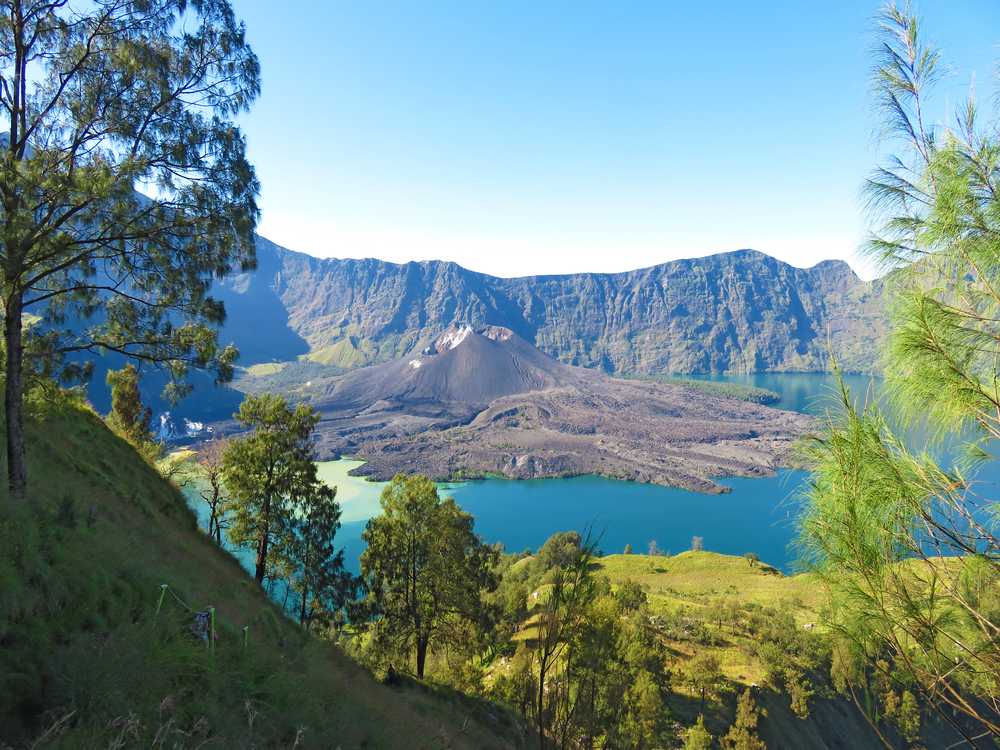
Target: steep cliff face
[{"x": 740, "y": 312}]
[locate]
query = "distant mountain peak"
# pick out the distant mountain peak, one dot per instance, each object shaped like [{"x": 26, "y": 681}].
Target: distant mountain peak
[
  {"x": 452, "y": 338},
  {"x": 457, "y": 334}
]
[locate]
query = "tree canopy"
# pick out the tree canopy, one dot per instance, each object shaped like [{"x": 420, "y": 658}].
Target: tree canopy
[
  {"x": 102, "y": 99},
  {"x": 904, "y": 544},
  {"x": 311, "y": 568},
  {"x": 270, "y": 474},
  {"x": 129, "y": 418},
  {"x": 424, "y": 568}
]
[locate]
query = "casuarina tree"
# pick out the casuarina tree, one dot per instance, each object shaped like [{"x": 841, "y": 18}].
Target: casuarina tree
[
  {"x": 881, "y": 514},
  {"x": 423, "y": 568},
  {"x": 269, "y": 473},
  {"x": 128, "y": 417},
  {"x": 102, "y": 99},
  {"x": 311, "y": 568}
]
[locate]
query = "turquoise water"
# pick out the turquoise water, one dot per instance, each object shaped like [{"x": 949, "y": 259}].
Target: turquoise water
[
  {"x": 754, "y": 517},
  {"x": 806, "y": 392},
  {"x": 757, "y": 516}
]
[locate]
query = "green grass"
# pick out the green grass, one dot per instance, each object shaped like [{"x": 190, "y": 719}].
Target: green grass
[
  {"x": 87, "y": 662},
  {"x": 680, "y": 591},
  {"x": 696, "y": 578},
  {"x": 264, "y": 368}
]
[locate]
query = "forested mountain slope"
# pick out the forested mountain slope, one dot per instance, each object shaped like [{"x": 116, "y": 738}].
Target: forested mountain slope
[
  {"x": 741, "y": 312},
  {"x": 91, "y": 656}
]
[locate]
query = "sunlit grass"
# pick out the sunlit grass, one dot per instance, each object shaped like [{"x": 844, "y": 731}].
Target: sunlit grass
[
  {"x": 87, "y": 659},
  {"x": 264, "y": 368}
]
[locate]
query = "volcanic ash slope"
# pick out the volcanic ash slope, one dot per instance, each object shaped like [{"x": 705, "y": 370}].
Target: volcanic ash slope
[{"x": 484, "y": 400}]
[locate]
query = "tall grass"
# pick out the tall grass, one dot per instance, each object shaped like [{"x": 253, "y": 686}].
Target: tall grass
[{"x": 86, "y": 661}]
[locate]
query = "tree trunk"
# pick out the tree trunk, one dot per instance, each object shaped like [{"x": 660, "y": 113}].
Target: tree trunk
[
  {"x": 261, "y": 568},
  {"x": 265, "y": 540},
  {"x": 540, "y": 708},
  {"x": 213, "y": 522},
  {"x": 302, "y": 614},
  {"x": 17, "y": 470},
  {"x": 421, "y": 656}
]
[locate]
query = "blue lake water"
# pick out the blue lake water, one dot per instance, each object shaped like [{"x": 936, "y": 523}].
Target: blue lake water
[
  {"x": 757, "y": 516},
  {"x": 754, "y": 517}
]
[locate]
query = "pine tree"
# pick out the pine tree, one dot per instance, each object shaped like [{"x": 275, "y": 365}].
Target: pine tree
[
  {"x": 698, "y": 737},
  {"x": 424, "y": 566},
  {"x": 316, "y": 574},
  {"x": 743, "y": 734},
  {"x": 100, "y": 98},
  {"x": 880, "y": 511},
  {"x": 128, "y": 418},
  {"x": 704, "y": 675},
  {"x": 268, "y": 473}
]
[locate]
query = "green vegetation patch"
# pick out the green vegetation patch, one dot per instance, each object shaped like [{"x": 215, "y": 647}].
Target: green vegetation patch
[
  {"x": 264, "y": 368},
  {"x": 698, "y": 577},
  {"x": 289, "y": 379},
  {"x": 749, "y": 393},
  {"x": 92, "y": 657},
  {"x": 347, "y": 354}
]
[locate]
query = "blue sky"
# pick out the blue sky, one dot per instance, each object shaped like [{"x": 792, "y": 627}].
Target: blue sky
[{"x": 558, "y": 136}]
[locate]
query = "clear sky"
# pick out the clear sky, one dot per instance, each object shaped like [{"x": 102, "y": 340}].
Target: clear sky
[{"x": 554, "y": 136}]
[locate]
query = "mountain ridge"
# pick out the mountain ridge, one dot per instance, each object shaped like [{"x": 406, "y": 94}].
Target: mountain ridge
[{"x": 735, "y": 312}]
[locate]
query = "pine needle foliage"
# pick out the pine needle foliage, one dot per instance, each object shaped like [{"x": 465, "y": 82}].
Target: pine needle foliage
[
  {"x": 905, "y": 545},
  {"x": 269, "y": 474},
  {"x": 698, "y": 737},
  {"x": 937, "y": 209},
  {"x": 104, "y": 98},
  {"x": 425, "y": 571},
  {"x": 743, "y": 734},
  {"x": 129, "y": 418}
]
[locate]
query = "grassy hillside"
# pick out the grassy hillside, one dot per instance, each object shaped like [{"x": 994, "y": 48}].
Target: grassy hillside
[
  {"x": 85, "y": 661},
  {"x": 769, "y": 642}
]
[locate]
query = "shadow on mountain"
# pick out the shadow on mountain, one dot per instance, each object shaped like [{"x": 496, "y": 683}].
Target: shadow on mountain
[{"x": 256, "y": 318}]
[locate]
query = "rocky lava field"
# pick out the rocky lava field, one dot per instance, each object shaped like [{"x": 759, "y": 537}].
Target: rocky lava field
[{"x": 485, "y": 401}]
